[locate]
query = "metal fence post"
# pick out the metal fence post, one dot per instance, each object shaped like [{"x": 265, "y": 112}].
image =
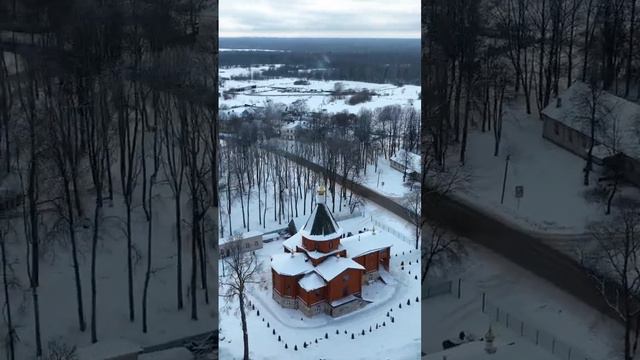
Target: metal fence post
[
  {"x": 483, "y": 301},
  {"x": 553, "y": 345},
  {"x": 569, "y": 358},
  {"x": 459, "y": 283},
  {"x": 537, "y": 336},
  {"x": 507, "y": 320},
  {"x": 497, "y": 313},
  {"x": 521, "y": 328}
]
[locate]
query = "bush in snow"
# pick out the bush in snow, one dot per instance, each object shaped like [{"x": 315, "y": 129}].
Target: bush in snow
[
  {"x": 399, "y": 306},
  {"x": 279, "y": 339},
  {"x": 326, "y": 335},
  {"x": 317, "y": 340},
  {"x": 295, "y": 347},
  {"x": 352, "y": 336},
  {"x": 285, "y": 346},
  {"x": 369, "y": 328},
  {"x": 384, "y": 323},
  {"x": 417, "y": 299},
  {"x": 408, "y": 302},
  {"x": 376, "y": 326},
  {"x": 274, "y": 331},
  {"x": 268, "y": 324},
  {"x": 392, "y": 319},
  {"x": 387, "y": 314},
  {"x": 402, "y": 263},
  {"x": 362, "y": 331},
  {"x": 262, "y": 319},
  {"x": 416, "y": 277},
  {"x": 305, "y": 345},
  {"x": 337, "y": 332},
  {"x": 258, "y": 313},
  {"x": 409, "y": 262}
]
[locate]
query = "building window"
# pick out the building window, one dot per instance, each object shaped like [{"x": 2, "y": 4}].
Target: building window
[{"x": 556, "y": 128}]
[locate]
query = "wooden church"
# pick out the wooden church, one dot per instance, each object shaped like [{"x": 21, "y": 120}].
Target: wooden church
[{"x": 321, "y": 270}]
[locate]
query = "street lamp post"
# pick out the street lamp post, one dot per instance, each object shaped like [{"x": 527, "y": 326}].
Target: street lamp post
[{"x": 504, "y": 181}]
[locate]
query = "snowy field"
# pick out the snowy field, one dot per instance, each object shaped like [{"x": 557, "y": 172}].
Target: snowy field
[
  {"x": 316, "y": 94},
  {"x": 527, "y": 298},
  {"x": 555, "y": 199},
  {"x": 399, "y": 339},
  {"x": 230, "y": 71}
]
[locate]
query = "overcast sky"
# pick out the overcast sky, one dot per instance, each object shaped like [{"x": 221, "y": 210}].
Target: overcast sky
[{"x": 320, "y": 18}]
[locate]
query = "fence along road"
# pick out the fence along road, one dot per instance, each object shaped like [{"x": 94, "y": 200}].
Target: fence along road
[
  {"x": 385, "y": 202},
  {"x": 519, "y": 246}
]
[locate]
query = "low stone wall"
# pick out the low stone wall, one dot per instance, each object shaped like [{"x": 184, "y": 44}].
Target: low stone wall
[
  {"x": 310, "y": 311},
  {"x": 285, "y": 302}
]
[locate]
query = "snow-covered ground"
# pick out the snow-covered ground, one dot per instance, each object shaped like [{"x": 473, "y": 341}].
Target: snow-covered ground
[
  {"x": 316, "y": 94},
  {"x": 397, "y": 340},
  {"x": 555, "y": 199},
  {"x": 57, "y": 294},
  {"x": 230, "y": 71},
  {"x": 527, "y": 298}
]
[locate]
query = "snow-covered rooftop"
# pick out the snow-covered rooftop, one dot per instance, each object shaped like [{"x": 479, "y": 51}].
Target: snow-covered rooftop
[
  {"x": 291, "y": 264},
  {"x": 312, "y": 281},
  {"x": 343, "y": 300},
  {"x": 334, "y": 266},
  {"x": 292, "y": 242},
  {"x": 367, "y": 242},
  {"x": 242, "y": 236},
  {"x": 412, "y": 160},
  {"x": 108, "y": 349},
  {"x": 619, "y": 119}
]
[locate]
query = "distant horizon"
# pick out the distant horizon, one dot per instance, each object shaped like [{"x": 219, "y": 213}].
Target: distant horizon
[{"x": 319, "y": 37}]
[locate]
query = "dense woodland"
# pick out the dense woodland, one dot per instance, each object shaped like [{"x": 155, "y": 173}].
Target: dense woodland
[
  {"x": 103, "y": 112},
  {"x": 393, "y": 61}
]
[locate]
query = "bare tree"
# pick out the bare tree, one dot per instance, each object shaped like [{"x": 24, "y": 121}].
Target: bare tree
[
  {"x": 11, "y": 331},
  {"x": 439, "y": 248},
  {"x": 619, "y": 250},
  {"x": 243, "y": 271}
]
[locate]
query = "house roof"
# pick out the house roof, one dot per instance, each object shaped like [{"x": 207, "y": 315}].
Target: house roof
[
  {"x": 291, "y": 264},
  {"x": 365, "y": 243},
  {"x": 619, "y": 125},
  {"x": 321, "y": 225},
  {"x": 412, "y": 160},
  {"x": 312, "y": 281},
  {"x": 334, "y": 266},
  {"x": 295, "y": 241}
]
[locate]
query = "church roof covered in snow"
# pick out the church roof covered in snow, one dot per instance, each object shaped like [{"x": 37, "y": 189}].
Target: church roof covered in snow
[
  {"x": 295, "y": 241},
  {"x": 365, "y": 243},
  {"x": 334, "y": 266},
  {"x": 312, "y": 281},
  {"x": 291, "y": 264},
  {"x": 321, "y": 225},
  {"x": 618, "y": 120}
]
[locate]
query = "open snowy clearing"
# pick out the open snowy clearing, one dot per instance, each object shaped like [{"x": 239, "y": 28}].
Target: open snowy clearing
[
  {"x": 555, "y": 199},
  {"x": 316, "y": 94},
  {"x": 397, "y": 340},
  {"x": 535, "y": 302}
]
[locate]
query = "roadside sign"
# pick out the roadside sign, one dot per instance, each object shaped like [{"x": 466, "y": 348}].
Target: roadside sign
[{"x": 519, "y": 191}]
